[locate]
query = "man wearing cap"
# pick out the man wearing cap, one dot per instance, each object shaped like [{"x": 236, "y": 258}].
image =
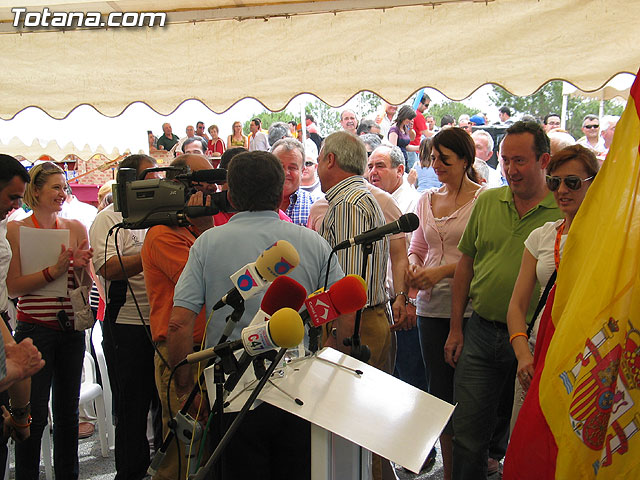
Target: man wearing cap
[
  {"x": 476, "y": 120},
  {"x": 421, "y": 128}
]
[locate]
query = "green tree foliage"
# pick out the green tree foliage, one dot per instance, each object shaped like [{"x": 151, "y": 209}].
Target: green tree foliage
[
  {"x": 326, "y": 117},
  {"x": 454, "y": 109},
  {"x": 368, "y": 103},
  {"x": 548, "y": 99},
  {"x": 268, "y": 118}
]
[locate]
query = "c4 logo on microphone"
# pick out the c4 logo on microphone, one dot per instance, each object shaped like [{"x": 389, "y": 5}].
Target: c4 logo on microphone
[{"x": 246, "y": 282}]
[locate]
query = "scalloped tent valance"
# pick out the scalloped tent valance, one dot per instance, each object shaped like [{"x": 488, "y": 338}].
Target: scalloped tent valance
[
  {"x": 220, "y": 51},
  {"x": 57, "y": 153}
]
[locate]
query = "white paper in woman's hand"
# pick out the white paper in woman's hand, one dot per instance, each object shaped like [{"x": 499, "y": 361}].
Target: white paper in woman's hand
[{"x": 39, "y": 249}]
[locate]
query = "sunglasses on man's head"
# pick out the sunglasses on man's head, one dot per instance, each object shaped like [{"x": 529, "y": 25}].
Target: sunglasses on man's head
[
  {"x": 573, "y": 182},
  {"x": 591, "y": 126},
  {"x": 309, "y": 164}
]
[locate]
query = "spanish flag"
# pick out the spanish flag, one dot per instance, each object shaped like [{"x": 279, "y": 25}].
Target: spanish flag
[{"x": 581, "y": 416}]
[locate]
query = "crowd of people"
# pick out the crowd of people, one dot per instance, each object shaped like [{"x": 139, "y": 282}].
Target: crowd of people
[{"x": 448, "y": 305}]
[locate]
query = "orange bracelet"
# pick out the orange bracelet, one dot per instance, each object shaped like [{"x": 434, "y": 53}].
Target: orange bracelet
[
  {"x": 519, "y": 334},
  {"x": 19, "y": 425}
]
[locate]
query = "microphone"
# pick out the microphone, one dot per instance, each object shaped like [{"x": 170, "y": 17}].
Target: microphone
[
  {"x": 347, "y": 295},
  {"x": 284, "y": 329},
  {"x": 283, "y": 292},
  {"x": 279, "y": 259},
  {"x": 406, "y": 223}
]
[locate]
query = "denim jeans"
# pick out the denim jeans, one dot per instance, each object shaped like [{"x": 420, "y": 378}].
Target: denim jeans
[
  {"x": 483, "y": 389},
  {"x": 409, "y": 362},
  {"x": 63, "y": 353},
  {"x": 412, "y": 158}
]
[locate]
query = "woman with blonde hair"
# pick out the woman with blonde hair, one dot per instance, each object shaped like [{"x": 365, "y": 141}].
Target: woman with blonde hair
[
  {"x": 237, "y": 138},
  {"x": 48, "y": 320}
]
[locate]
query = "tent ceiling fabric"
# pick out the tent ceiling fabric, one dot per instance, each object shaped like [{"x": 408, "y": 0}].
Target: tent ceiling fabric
[{"x": 519, "y": 44}]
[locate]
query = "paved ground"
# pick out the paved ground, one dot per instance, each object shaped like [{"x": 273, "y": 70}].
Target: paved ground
[{"x": 94, "y": 467}]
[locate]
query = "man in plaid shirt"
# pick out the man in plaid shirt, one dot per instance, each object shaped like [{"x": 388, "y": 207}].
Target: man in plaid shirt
[{"x": 296, "y": 202}]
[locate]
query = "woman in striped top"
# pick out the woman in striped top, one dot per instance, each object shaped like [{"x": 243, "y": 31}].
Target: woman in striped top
[{"x": 48, "y": 321}]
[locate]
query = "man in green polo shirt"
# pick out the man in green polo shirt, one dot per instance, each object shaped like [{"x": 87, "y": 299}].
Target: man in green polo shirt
[{"x": 491, "y": 247}]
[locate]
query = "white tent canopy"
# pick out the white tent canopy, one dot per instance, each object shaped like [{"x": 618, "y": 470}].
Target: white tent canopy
[{"x": 217, "y": 51}]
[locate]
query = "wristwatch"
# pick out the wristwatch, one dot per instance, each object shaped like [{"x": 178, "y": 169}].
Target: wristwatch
[
  {"x": 405, "y": 295},
  {"x": 20, "y": 412}
]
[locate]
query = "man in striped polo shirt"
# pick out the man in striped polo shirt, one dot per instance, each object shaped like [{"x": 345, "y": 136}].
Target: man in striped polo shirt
[{"x": 354, "y": 210}]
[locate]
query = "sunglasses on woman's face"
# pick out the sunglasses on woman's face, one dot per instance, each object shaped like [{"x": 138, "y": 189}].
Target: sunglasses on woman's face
[{"x": 573, "y": 182}]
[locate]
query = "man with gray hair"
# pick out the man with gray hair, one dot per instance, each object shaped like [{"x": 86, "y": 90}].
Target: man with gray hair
[
  {"x": 368, "y": 126},
  {"x": 386, "y": 171},
  {"x": 353, "y": 210},
  {"x": 349, "y": 121},
  {"x": 371, "y": 142},
  {"x": 591, "y": 130},
  {"x": 168, "y": 140},
  {"x": 607, "y": 129},
  {"x": 484, "y": 151},
  {"x": 177, "y": 148},
  {"x": 278, "y": 131},
  {"x": 296, "y": 202}
]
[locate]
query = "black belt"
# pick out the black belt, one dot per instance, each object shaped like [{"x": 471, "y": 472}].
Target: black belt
[
  {"x": 371, "y": 307},
  {"x": 500, "y": 325}
]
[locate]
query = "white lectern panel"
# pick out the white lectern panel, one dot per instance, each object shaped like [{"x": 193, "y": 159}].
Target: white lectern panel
[{"x": 374, "y": 410}]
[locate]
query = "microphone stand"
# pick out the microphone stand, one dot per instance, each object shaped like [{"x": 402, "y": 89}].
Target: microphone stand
[
  {"x": 359, "y": 351},
  {"x": 202, "y": 473},
  {"x": 183, "y": 421}
]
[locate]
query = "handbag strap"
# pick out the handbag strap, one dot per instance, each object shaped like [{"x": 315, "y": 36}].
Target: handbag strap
[
  {"x": 543, "y": 301},
  {"x": 79, "y": 281}
]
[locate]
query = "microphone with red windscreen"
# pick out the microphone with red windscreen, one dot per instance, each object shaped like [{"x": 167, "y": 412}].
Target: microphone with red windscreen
[
  {"x": 347, "y": 295},
  {"x": 284, "y": 292}
]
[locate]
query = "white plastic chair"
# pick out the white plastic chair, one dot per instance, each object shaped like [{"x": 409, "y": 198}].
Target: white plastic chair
[
  {"x": 91, "y": 391},
  {"x": 96, "y": 340}
]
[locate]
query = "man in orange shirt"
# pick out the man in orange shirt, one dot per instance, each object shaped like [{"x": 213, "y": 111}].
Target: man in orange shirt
[{"x": 164, "y": 255}]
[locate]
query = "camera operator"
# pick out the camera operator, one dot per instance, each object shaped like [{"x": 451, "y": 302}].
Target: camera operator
[
  {"x": 128, "y": 351},
  {"x": 255, "y": 181},
  {"x": 164, "y": 255}
]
